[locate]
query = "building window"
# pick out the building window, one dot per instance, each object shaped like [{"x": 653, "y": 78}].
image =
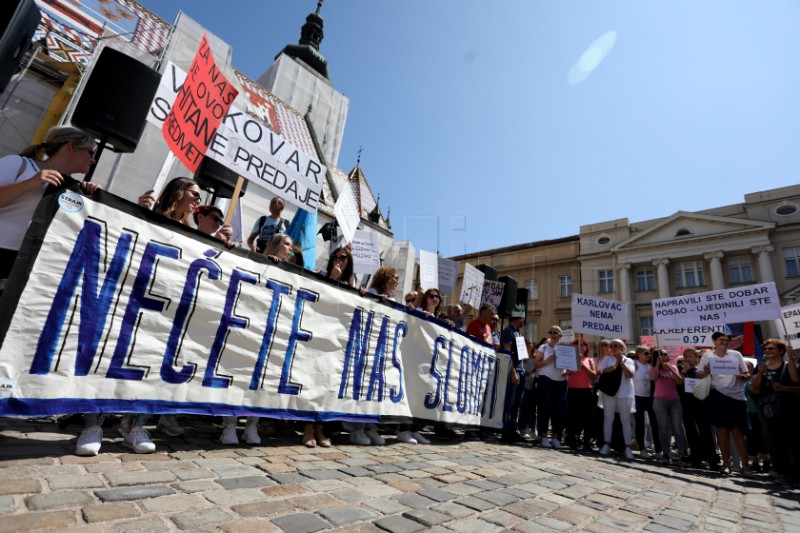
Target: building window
[
  {"x": 604, "y": 240},
  {"x": 533, "y": 289},
  {"x": 792, "y": 258},
  {"x": 645, "y": 325},
  {"x": 690, "y": 274},
  {"x": 564, "y": 286},
  {"x": 565, "y": 324},
  {"x": 532, "y": 332},
  {"x": 683, "y": 232},
  {"x": 740, "y": 270},
  {"x": 785, "y": 210},
  {"x": 646, "y": 280},
  {"x": 605, "y": 281}
]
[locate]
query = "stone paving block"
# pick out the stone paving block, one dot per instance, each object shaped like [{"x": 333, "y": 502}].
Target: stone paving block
[
  {"x": 48, "y": 521},
  {"x": 88, "y": 481},
  {"x": 55, "y": 500},
  {"x": 502, "y": 518},
  {"x": 264, "y": 508},
  {"x": 356, "y": 471},
  {"x": 496, "y": 497},
  {"x": 175, "y": 502},
  {"x": 20, "y": 486},
  {"x": 201, "y": 519},
  {"x": 398, "y": 524},
  {"x": 436, "y": 494},
  {"x": 407, "y": 486},
  {"x": 226, "y": 498},
  {"x": 121, "y": 479},
  {"x": 453, "y": 509},
  {"x": 530, "y": 508},
  {"x": 484, "y": 484},
  {"x": 284, "y": 479},
  {"x": 413, "y": 501},
  {"x": 238, "y": 470},
  {"x": 474, "y": 525},
  {"x": 385, "y": 506},
  {"x": 189, "y": 473},
  {"x": 7, "y": 504},
  {"x": 339, "y": 516},
  {"x": 247, "y": 482},
  {"x": 284, "y": 491},
  {"x": 427, "y": 517},
  {"x": 314, "y": 502},
  {"x": 200, "y": 485},
  {"x": 249, "y": 525},
  {"x": 133, "y": 493},
  {"x": 475, "y": 503},
  {"x": 300, "y": 523},
  {"x": 104, "y": 512},
  {"x": 325, "y": 474}
]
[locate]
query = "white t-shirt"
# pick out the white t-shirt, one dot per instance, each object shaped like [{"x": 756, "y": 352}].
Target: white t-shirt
[
  {"x": 550, "y": 370},
  {"x": 625, "y": 384},
  {"x": 730, "y": 386},
  {"x": 16, "y": 216},
  {"x": 641, "y": 379}
]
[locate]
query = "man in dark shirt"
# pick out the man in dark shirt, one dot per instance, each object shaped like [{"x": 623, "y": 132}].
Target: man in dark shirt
[{"x": 514, "y": 390}]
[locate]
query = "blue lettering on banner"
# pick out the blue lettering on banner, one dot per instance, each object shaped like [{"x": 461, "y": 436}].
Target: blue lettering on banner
[
  {"x": 133, "y": 313},
  {"x": 84, "y": 264},
  {"x": 227, "y": 321},
  {"x": 356, "y": 353},
  {"x": 297, "y": 334},
  {"x": 492, "y": 363},
  {"x": 278, "y": 291},
  {"x": 377, "y": 377},
  {"x": 447, "y": 406},
  {"x": 432, "y": 399},
  {"x": 462, "y": 396},
  {"x": 397, "y": 394},
  {"x": 183, "y": 315}
]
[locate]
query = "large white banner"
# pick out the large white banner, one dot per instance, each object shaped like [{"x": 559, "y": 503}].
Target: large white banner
[
  {"x": 727, "y": 306},
  {"x": 599, "y": 316},
  {"x": 255, "y": 151},
  {"x": 123, "y": 315}
]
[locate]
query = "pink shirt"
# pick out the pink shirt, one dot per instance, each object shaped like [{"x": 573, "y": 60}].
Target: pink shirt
[
  {"x": 580, "y": 379},
  {"x": 666, "y": 388}
]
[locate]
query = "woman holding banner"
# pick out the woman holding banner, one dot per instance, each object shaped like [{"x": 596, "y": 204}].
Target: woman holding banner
[{"x": 726, "y": 404}]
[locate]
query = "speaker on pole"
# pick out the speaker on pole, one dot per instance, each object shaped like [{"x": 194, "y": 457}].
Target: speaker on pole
[
  {"x": 116, "y": 99},
  {"x": 489, "y": 274},
  {"x": 509, "y": 299},
  {"x": 18, "y": 22},
  {"x": 217, "y": 178}
]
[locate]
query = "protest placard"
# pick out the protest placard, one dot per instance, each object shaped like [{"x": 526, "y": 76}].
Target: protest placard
[
  {"x": 492, "y": 293},
  {"x": 567, "y": 336},
  {"x": 116, "y": 311},
  {"x": 720, "y": 366},
  {"x": 202, "y": 102},
  {"x": 366, "y": 256},
  {"x": 428, "y": 270},
  {"x": 599, "y": 316},
  {"x": 688, "y": 384},
  {"x": 566, "y": 357},
  {"x": 471, "y": 286},
  {"x": 347, "y": 215},
  {"x": 522, "y": 348},
  {"x": 254, "y": 150},
  {"x": 727, "y": 306},
  {"x": 448, "y": 272},
  {"x": 788, "y": 326},
  {"x": 688, "y": 335}
]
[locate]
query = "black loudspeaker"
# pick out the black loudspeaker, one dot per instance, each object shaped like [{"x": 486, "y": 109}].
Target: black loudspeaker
[
  {"x": 18, "y": 22},
  {"x": 217, "y": 178},
  {"x": 116, "y": 99},
  {"x": 489, "y": 274},
  {"x": 509, "y": 299},
  {"x": 522, "y": 298}
]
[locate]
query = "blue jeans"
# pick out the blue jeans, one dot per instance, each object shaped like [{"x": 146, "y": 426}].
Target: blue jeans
[{"x": 670, "y": 424}]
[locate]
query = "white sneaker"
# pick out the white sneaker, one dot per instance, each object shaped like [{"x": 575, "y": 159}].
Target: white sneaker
[
  {"x": 546, "y": 443},
  {"x": 605, "y": 450},
  {"x": 358, "y": 437},
  {"x": 168, "y": 425},
  {"x": 645, "y": 454},
  {"x": 628, "y": 454},
  {"x": 406, "y": 436},
  {"x": 250, "y": 434},
  {"x": 658, "y": 456},
  {"x": 89, "y": 441},
  {"x": 526, "y": 434},
  {"x": 556, "y": 444},
  {"x": 229, "y": 435},
  {"x": 139, "y": 441},
  {"x": 419, "y": 438},
  {"x": 374, "y": 438}
]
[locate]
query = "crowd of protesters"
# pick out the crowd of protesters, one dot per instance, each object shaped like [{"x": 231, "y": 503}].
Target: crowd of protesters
[{"x": 615, "y": 401}]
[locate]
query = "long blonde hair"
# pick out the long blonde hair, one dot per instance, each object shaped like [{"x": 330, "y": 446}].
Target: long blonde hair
[{"x": 54, "y": 139}]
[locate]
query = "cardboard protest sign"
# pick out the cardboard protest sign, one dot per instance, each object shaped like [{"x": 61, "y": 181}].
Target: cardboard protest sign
[
  {"x": 471, "y": 286},
  {"x": 790, "y": 318},
  {"x": 366, "y": 256},
  {"x": 522, "y": 348},
  {"x": 599, "y": 316},
  {"x": 202, "y": 102},
  {"x": 347, "y": 215},
  {"x": 428, "y": 270},
  {"x": 727, "y": 306},
  {"x": 256, "y": 151},
  {"x": 687, "y": 335},
  {"x": 567, "y": 336},
  {"x": 723, "y": 367},
  {"x": 492, "y": 293},
  {"x": 566, "y": 357},
  {"x": 448, "y": 272},
  {"x": 112, "y": 308}
]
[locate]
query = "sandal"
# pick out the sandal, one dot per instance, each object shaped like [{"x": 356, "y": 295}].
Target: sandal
[
  {"x": 309, "y": 441},
  {"x": 322, "y": 440},
  {"x": 725, "y": 470}
]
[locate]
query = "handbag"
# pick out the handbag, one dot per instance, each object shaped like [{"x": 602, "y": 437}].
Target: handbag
[
  {"x": 609, "y": 382},
  {"x": 702, "y": 388}
]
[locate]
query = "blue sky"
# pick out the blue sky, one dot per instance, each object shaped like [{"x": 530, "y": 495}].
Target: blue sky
[{"x": 475, "y": 138}]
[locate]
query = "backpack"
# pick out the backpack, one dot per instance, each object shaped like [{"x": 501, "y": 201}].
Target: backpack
[{"x": 280, "y": 227}]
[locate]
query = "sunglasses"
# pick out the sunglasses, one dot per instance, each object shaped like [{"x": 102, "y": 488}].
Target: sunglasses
[
  {"x": 769, "y": 348},
  {"x": 216, "y": 218},
  {"x": 195, "y": 194},
  {"x": 554, "y": 333},
  {"x": 339, "y": 258},
  {"x": 435, "y": 296}
]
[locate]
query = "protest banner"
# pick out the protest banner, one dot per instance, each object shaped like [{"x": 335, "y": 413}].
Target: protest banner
[
  {"x": 366, "y": 256},
  {"x": 471, "y": 286},
  {"x": 428, "y": 270},
  {"x": 256, "y": 151},
  {"x": 788, "y": 326},
  {"x": 492, "y": 293},
  {"x": 347, "y": 215},
  {"x": 727, "y": 306},
  {"x": 599, "y": 316},
  {"x": 566, "y": 357},
  {"x": 199, "y": 107},
  {"x": 448, "y": 272},
  {"x": 687, "y": 335},
  {"x": 113, "y": 308}
]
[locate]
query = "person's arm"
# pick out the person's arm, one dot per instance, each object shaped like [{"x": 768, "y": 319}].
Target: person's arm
[
  {"x": 626, "y": 371},
  {"x": 677, "y": 377},
  {"x": 655, "y": 369},
  {"x": 792, "y": 365},
  {"x": 541, "y": 360},
  {"x": 251, "y": 242},
  {"x": 702, "y": 371},
  {"x": 588, "y": 367},
  {"x": 755, "y": 385},
  {"x": 12, "y": 191},
  {"x": 147, "y": 200}
]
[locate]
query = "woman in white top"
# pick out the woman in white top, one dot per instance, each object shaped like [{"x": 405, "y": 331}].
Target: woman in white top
[
  {"x": 552, "y": 388},
  {"x": 622, "y": 401}
]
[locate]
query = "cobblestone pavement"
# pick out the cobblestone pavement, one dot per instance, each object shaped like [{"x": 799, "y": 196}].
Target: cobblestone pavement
[{"x": 196, "y": 484}]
